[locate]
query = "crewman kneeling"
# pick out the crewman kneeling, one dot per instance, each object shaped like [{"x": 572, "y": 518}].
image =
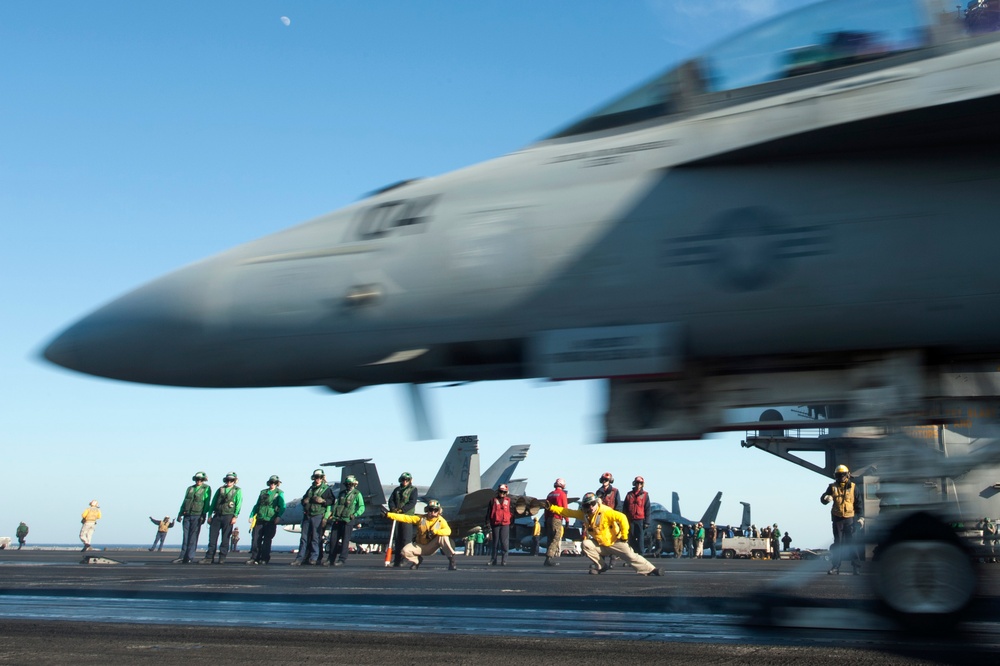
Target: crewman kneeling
[
  {"x": 607, "y": 535},
  {"x": 432, "y": 533}
]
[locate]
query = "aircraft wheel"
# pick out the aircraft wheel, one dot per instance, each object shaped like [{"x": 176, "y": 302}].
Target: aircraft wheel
[
  {"x": 924, "y": 575},
  {"x": 728, "y": 554}
]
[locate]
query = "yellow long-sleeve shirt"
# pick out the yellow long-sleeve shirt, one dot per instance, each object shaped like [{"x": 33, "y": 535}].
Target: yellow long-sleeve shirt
[
  {"x": 428, "y": 529},
  {"x": 605, "y": 526}
]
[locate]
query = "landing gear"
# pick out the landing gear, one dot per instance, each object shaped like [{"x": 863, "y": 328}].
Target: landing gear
[{"x": 924, "y": 574}]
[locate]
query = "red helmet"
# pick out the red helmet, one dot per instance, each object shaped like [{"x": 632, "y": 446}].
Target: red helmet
[
  {"x": 637, "y": 480},
  {"x": 607, "y": 477},
  {"x": 560, "y": 483},
  {"x": 502, "y": 488}
]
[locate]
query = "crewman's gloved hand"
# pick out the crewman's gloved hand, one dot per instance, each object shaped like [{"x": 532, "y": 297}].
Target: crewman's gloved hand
[
  {"x": 201, "y": 520},
  {"x": 826, "y": 499},
  {"x": 861, "y": 522}
]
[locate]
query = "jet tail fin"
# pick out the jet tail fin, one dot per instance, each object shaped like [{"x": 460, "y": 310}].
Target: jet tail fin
[
  {"x": 369, "y": 484},
  {"x": 517, "y": 487},
  {"x": 745, "y": 523},
  {"x": 675, "y": 504},
  {"x": 712, "y": 512},
  {"x": 459, "y": 473},
  {"x": 502, "y": 470}
]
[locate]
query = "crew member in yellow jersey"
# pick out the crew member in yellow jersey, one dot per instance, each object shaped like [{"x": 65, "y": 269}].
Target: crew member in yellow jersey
[
  {"x": 432, "y": 533},
  {"x": 607, "y": 535},
  {"x": 846, "y": 513}
]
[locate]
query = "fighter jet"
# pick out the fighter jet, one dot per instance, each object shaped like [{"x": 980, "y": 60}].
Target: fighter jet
[
  {"x": 804, "y": 210},
  {"x": 804, "y": 213},
  {"x": 660, "y": 514}
]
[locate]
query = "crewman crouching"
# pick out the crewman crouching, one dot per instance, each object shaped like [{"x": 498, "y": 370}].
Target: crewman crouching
[
  {"x": 432, "y": 533},
  {"x": 607, "y": 535}
]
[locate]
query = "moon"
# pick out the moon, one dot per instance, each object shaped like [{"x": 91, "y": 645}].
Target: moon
[{"x": 286, "y": 20}]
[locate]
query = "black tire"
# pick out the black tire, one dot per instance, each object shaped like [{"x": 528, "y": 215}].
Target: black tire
[
  {"x": 924, "y": 575},
  {"x": 728, "y": 554}
]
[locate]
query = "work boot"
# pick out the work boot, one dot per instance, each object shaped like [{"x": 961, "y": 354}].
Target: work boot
[
  {"x": 207, "y": 560},
  {"x": 451, "y": 564},
  {"x": 416, "y": 565},
  {"x": 551, "y": 562},
  {"x": 834, "y": 571},
  {"x": 655, "y": 572},
  {"x": 338, "y": 563},
  {"x": 222, "y": 559},
  {"x": 250, "y": 562},
  {"x": 599, "y": 570},
  {"x": 296, "y": 563},
  {"x": 325, "y": 563}
]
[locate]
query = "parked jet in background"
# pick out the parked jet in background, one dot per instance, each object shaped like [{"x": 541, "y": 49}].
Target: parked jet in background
[
  {"x": 457, "y": 485},
  {"x": 661, "y": 515}
]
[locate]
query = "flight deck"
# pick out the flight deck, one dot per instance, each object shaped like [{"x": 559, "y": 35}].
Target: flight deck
[{"x": 731, "y": 604}]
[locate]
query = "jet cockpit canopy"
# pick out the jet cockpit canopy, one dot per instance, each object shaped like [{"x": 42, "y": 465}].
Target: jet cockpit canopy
[{"x": 819, "y": 38}]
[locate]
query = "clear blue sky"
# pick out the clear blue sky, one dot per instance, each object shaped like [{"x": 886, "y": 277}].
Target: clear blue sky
[{"x": 136, "y": 137}]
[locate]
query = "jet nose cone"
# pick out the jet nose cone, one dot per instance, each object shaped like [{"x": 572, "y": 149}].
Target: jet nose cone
[{"x": 152, "y": 335}]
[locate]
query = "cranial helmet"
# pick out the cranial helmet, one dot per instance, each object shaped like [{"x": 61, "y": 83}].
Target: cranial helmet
[
  {"x": 588, "y": 499},
  {"x": 274, "y": 479},
  {"x": 433, "y": 505},
  {"x": 200, "y": 476},
  {"x": 842, "y": 469},
  {"x": 637, "y": 480},
  {"x": 502, "y": 488},
  {"x": 607, "y": 477},
  {"x": 560, "y": 483},
  {"x": 405, "y": 476},
  {"x": 230, "y": 475},
  {"x": 318, "y": 474},
  {"x": 351, "y": 480}
]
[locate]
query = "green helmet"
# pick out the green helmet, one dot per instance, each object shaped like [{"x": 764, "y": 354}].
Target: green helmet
[
  {"x": 200, "y": 476},
  {"x": 318, "y": 474},
  {"x": 230, "y": 475},
  {"x": 351, "y": 480},
  {"x": 433, "y": 505},
  {"x": 274, "y": 479},
  {"x": 405, "y": 476}
]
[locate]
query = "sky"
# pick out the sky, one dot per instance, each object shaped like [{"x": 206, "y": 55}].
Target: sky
[{"x": 137, "y": 137}]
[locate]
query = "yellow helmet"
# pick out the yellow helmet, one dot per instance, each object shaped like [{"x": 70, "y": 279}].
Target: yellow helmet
[{"x": 842, "y": 469}]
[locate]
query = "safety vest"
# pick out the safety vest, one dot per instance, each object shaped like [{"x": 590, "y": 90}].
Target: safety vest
[
  {"x": 91, "y": 515},
  {"x": 500, "y": 513},
  {"x": 164, "y": 525},
  {"x": 225, "y": 501},
  {"x": 195, "y": 500},
  {"x": 265, "y": 504},
  {"x": 635, "y": 505},
  {"x": 843, "y": 500},
  {"x": 609, "y": 497},
  {"x": 425, "y": 530},
  {"x": 343, "y": 510},
  {"x": 316, "y": 491},
  {"x": 400, "y": 498}
]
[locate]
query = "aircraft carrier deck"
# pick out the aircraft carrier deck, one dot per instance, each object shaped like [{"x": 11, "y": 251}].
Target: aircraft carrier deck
[{"x": 144, "y": 607}]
